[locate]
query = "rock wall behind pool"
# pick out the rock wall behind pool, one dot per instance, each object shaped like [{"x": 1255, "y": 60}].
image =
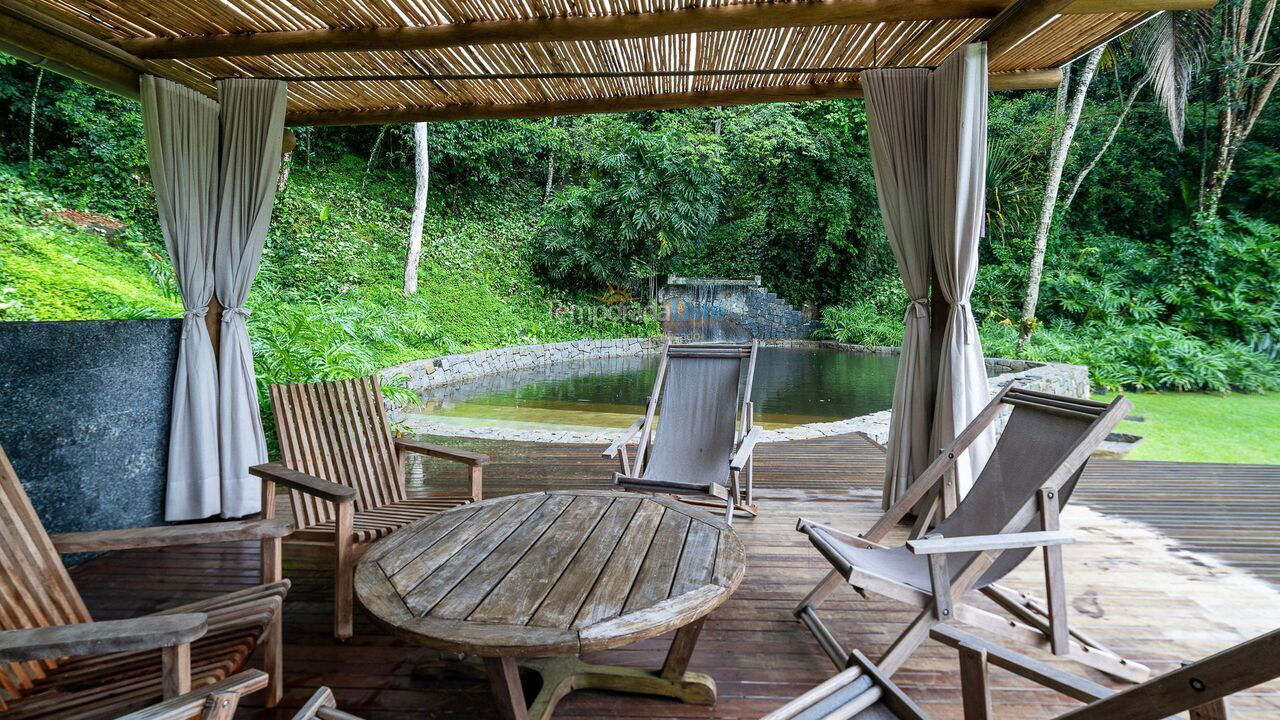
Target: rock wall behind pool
[
  {"x": 728, "y": 310},
  {"x": 84, "y": 417}
]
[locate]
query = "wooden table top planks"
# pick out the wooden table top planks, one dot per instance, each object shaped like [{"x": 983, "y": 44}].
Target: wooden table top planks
[{"x": 550, "y": 573}]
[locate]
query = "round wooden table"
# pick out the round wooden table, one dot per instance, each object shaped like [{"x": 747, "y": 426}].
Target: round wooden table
[{"x": 552, "y": 575}]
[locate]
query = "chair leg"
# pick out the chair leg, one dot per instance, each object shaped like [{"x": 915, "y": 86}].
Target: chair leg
[
  {"x": 344, "y": 573},
  {"x": 273, "y": 571},
  {"x": 477, "y": 482}
]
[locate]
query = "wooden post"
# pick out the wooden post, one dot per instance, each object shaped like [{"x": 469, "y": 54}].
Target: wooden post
[
  {"x": 1054, "y": 577},
  {"x": 973, "y": 683},
  {"x": 213, "y": 321},
  {"x": 175, "y": 668},
  {"x": 272, "y": 571},
  {"x": 344, "y": 569},
  {"x": 504, "y": 683},
  {"x": 681, "y": 650}
]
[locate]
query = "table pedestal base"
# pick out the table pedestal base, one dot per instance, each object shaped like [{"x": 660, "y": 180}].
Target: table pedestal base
[{"x": 563, "y": 675}]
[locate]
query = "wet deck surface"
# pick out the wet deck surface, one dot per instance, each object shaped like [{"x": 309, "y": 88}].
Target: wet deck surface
[{"x": 1174, "y": 561}]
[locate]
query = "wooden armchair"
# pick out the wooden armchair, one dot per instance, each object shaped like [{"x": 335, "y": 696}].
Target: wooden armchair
[
  {"x": 55, "y": 661},
  {"x": 346, "y": 476}
]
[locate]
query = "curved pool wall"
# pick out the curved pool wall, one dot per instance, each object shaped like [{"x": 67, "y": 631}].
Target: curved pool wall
[{"x": 424, "y": 376}]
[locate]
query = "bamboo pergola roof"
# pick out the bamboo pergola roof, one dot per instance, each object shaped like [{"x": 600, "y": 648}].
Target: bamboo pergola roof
[{"x": 364, "y": 61}]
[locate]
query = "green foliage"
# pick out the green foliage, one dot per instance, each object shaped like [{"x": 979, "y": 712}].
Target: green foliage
[
  {"x": 52, "y": 270},
  {"x": 646, "y": 196},
  {"x": 874, "y": 320}
]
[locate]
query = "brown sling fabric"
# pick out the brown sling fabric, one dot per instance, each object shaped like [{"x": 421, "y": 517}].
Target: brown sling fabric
[{"x": 697, "y": 417}]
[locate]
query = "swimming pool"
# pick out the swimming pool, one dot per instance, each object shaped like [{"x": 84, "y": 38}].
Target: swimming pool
[{"x": 793, "y": 386}]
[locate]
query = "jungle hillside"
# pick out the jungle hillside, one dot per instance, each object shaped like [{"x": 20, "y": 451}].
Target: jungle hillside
[{"x": 1133, "y": 220}]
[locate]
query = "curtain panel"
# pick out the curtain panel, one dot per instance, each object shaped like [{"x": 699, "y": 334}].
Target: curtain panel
[
  {"x": 252, "y": 132},
  {"x": 181, "y": 131},
  {"x": 957, "y": 206},
  {"x": 898, "y": 128}
]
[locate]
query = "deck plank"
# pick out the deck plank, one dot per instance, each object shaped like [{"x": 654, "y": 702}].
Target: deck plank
[{"x": 1144, "y": 576}]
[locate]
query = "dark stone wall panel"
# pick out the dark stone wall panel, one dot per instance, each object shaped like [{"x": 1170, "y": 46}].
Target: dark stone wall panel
[{"x": 84, "y": 417}]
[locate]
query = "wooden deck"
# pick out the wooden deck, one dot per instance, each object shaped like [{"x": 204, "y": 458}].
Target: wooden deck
[{"x": 1150, "y": 575}]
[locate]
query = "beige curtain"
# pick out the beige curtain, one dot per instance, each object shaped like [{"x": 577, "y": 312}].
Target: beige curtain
[
  {"x": 898, "y": 127},
  {"x": 957, "y": 200},
  {"x": 181, "y": 131},
  {"x": 252, "y": 132}
]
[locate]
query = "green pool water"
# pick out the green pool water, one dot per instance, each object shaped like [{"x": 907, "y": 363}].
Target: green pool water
[{"x": 793, "y": 386}]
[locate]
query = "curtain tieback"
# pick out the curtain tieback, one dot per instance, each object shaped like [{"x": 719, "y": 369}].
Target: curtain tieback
[
  {"x": 918, "y": 309},
  {"x": 964, "y": 308},
  {"x": 231, "y": 312},
  {"x": 197, "y": 314}
]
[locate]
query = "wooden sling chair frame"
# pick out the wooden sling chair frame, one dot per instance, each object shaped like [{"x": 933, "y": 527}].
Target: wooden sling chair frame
[
  {"x": 1033, "y": 621},
  {"x": 738, "y": 494}
]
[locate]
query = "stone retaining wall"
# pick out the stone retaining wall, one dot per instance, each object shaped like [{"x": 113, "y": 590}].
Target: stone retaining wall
[
  {"x": 434, "y": 372},
  {"x": 1059, "y": 378}
]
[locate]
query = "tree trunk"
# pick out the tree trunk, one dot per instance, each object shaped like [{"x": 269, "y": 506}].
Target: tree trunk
[
  {"x": 286, "y": 163},
  {"x": 551, "y": 168},
  {"x": 422, "y": 170},
  {"x": 1106, "y": 145},
  {"x": 1245, "y": 83},
  {"x": 31, "y": 123},
  {"x": 1062, "y": 148}
]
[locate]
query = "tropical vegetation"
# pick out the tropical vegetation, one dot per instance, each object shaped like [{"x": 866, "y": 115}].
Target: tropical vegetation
[{"x": 1153, "y": 257}]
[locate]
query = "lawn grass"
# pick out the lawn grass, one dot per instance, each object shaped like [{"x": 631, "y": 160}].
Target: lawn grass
[{"x": 1206, "y": 427}]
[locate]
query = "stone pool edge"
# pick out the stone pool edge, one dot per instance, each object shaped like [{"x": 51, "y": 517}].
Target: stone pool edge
[{"x": 422, "y": 375}]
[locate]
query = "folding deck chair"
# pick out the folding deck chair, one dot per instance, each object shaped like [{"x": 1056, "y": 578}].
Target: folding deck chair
[
  {"x": 1011, "y": 509},
  {"x": 863, "y": 692},
  {"x": 705, "y": 435}
]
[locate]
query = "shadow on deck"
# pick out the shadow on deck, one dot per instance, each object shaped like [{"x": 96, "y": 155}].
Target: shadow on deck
[{"x": 1174, "y": 561}]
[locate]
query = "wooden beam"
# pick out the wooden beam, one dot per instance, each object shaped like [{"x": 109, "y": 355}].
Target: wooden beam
[
  {"x": 66, "y": 52},
  {"x": 745, "y": 16},
  {"x": 1017, "y": 22},
  {"x": 1021, "y": 80}
]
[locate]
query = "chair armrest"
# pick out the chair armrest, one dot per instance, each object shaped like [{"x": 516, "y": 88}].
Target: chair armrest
[
  {"x": 745, "y": 448},
  {"x": 193, "y": 703},
  {"x": 302, "y": 482},
  {"x": 96, "y": 638},
  {"x": 170, "y": 535},
  {"x": 612, "y": 451},
  {"x": 440, "y": 451},
  {"x": 805, "y": 526},
  {"x": 977, "y": 543}
]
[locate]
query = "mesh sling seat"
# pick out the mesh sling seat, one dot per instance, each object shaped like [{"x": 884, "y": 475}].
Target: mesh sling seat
[
  {"x": 346, "y": 475},
  {"x": 1011, "y": 510},
  {"x": 57, "y": 662},
  {"x": 863, "y": 692},
  {"x": 697, "y": 435}
]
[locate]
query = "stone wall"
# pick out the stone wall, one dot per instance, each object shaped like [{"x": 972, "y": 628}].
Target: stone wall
[
  {"x": 84, "y": 417},
  {"x": 1072, "y": 380},
  {"x": 435, "y": 372}
]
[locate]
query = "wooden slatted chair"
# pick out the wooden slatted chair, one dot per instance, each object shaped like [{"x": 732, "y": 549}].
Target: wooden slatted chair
[
  {"x": 701, "y": 448},
  {"x": 863, "y": 692},
  {"x": 56, "y": 662},
  {"x": 1011, "y": 510},
  {"x": 346, "y": 475}
]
